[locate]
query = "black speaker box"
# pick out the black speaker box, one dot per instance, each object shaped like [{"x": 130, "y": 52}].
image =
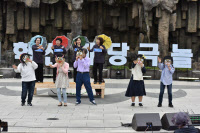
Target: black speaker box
[
  {"x": 141, "y": 121},
  {"x": 167, "y": 122}
]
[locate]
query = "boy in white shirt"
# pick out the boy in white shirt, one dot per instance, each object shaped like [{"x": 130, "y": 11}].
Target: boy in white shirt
[{"x": 27, "y": 69}]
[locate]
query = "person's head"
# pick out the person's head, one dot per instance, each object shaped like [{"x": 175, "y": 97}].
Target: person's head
[
  {"x": 84, "y": 52},
  {"x": 180, "y": 119},
  {"x": 38, "y": 41},
  {"x": 24, "y": 58},
  {"x": 140, "y": 58},
  {"x": 99, "y": 41},
  {"x": 168, "y": 60},
  {"x": 58, "y": 41},
  {"x": 78, "y": 41},
  {"x": 60, "y": 58}
]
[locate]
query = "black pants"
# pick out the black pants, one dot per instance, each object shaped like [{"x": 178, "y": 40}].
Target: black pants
[
  {"x": 39, "y": 72},
  {"x": 75, "y": 73},
  {"x": 27, "y": 87},
  {"x": 95, "y": 67}
]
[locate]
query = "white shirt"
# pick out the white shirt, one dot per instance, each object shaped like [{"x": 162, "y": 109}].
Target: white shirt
[
  {"x": 27, "y": 71},
  {"x": 137, "y": 72}
]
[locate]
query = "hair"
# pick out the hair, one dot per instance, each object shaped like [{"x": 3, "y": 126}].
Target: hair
[
  {"x": 59, "y": 39},
  {"x": 77, "y": 38},
  {"x": 101, "y": 40},
  {"x": 38, "y": 38},
  {"x": 167, "y": 57},
  {"x": 84, "y": 50},
  {"x": 21, "y": 58},
  {"x": 140, "y": 56},
  {"x": 60, "y": 55},
  {"x": 180, "y": 119}
]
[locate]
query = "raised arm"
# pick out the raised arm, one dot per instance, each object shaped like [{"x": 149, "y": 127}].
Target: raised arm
[
  {"x": 34, "y": 65},
  {"x": 65, "y": 68}
]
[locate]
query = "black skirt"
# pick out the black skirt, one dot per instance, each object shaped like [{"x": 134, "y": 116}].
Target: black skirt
[{"x": 135, "y": 88}]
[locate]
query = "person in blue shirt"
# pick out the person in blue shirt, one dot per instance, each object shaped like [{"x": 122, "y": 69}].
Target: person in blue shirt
[{"x": 166, "y": 78}]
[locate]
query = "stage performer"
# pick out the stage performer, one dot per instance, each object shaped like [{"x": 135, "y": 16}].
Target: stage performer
[
  {"x": 166, "y": 78},
  {"x": 136, "y": 85},
  {"x": 27, "y": 69},
  {"x": 82, "y": 64},
  {"x": 99, "y": 60},
  {"x": 38, "y": 52},
  {"x": 62, "y": 80}
]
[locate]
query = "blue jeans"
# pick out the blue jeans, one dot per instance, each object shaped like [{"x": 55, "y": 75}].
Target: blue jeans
[
  {"x": 27, "y": 87},
  {"x": 64, "y": 95},
  {"x": 162, "y": 90},
  {"x": 83, "y": 78}
]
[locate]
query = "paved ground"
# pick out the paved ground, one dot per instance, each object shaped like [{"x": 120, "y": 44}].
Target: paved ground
[{"x": 105, "y": 117}]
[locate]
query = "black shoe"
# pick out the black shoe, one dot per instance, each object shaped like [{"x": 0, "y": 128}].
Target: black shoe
[
  {"x": 22, "y": 104},
  {"x": 95, "y": 82},
  {"x": 29, "y": 104},
  {"x": 77, "y": 103},
  {"x": 159, "y": 105},
  {"x": 171, "y": 105},
  {"x": 100, "y": 82},
  {"x": 132, "y": 104},
  {"x": 93, "y": 102},
  {"x": 140, "y": 104}
]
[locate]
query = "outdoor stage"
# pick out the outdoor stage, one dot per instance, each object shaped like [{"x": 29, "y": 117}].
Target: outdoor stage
[{"x": 105, "y": 117}]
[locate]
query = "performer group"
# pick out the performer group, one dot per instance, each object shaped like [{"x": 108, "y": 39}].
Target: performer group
[{"x": 32, "y": 71}]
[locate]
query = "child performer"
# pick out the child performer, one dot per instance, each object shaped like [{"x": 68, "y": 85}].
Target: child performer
[
  {"x": 99, "y": 60},
  {"x": 82, "y": 64},
  {"x": 77, "y": 46},
  {"x": 166, "y": 79},
  {"x": 136, "y": 85},
  {"x": 57, "y": 49},
  {"x": 27, "y": 69},
  {"x": 62, "y": 80}
]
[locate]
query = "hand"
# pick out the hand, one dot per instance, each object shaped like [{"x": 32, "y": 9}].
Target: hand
[
  {"x": 50, "y": 65},
  {"x": 101, "y": 47},
  {"x": 81, "y": 57},
  {"x": 88, "y": 48},
  {"x": 40, "y": 47},
  {"x": 62, "y": 47},
  {"x": 77, "y": 58},
  {"x": 52, "y": 47},
  {"x": 14, "y": 66},
  {"x": 135, "y": 62},
  {"x": 159, "y": 59},
  {"x": 141, "y": 64},
  {"x": 74, "y": 43},
  {"x": 29, "y": 60}
]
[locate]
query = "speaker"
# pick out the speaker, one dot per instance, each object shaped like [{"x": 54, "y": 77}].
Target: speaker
[
  {"x": 167, "y": 122},
  {"x": 142, "y": 121}
]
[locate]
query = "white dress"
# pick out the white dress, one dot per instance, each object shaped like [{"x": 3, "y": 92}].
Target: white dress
[{"x": 62, "y": 80}]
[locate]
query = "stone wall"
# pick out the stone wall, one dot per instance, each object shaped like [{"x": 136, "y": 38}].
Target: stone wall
[{"x": 134, "y": 21}]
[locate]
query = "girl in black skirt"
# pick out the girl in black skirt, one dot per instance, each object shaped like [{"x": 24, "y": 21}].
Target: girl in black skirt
[{"x": 136, "y": 85}]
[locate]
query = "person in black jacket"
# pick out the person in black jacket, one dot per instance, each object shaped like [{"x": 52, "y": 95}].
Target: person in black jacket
[
  {"x": 181, "y": 120},
  {"x": 57, "y": 50},
  {"x": 99, "y": 60},
  {"x": 77, "y": 46},
  {"x": 38, "y": 52}
]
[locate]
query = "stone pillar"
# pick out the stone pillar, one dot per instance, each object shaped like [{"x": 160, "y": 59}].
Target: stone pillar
[{"x": 163, "y": 33}]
